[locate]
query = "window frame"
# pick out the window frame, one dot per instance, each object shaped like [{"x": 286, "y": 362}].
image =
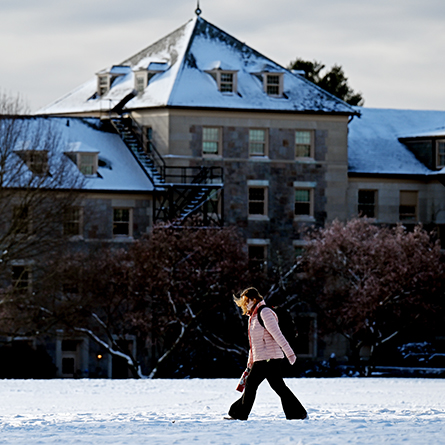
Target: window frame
[
  {"x": 259, "y": 244},
  {"x": 140, "y": 81},
  {"x": 406, "y": 202},
  {"x": 300, "y": 144},
  {"x": 217, "y": 74},
  {"x": 267, "y": 84},
  {"x": 17, "y": 282},
  {"x": 103, "y": 84},
  {"x": 311, "y": 334},
  {"x": 439, "y": 155},
  {"x": 122, "y": 223},
  {"x": 68, "y": 220},
  {"x": 218, "y": 141},
  {"x": 94, "y": 165},
  {"x": 360, "y": 205},
  {"x": 264, "y": 202},
  {"x": 310, "y": 202},
  {"x": 265, "y": 143},
  {"x": 21, "y": 217}
]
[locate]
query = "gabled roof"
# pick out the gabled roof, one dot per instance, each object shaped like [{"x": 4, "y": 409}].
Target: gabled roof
[
  {"x": 182, "y": 60},
  {"x": 373, "y": 141},
  {"x": 118, "y": 170}
]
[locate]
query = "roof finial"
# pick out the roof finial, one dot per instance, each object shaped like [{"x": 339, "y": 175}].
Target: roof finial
[{"x": 198, "y": 10}]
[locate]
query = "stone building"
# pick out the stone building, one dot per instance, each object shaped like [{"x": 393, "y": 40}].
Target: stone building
[
  {"x": 200, "y": 98},
  {"x": 200, "y": 123}
]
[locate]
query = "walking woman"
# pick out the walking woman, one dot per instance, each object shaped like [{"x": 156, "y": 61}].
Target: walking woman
[{"x": 265, "y": 359}]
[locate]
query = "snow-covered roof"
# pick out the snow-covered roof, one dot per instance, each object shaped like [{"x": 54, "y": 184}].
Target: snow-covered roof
[
  {"x": 185, "y": 56},
  {"x": 373, "y": 141},
  {"x": 118, "y": 170}
]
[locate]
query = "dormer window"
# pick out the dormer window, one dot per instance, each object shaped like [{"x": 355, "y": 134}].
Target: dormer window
[
  {"x": 105, "y": 79},
  {"x": 140, "y": 82},
  {"x": 143, "y": 75},
  {"x": 226, "y": 80},
  {"x": 36, "y": 160},
  {"x": 103, "y": 84},
  {"x": 86, "y": 161},
  {"x": 273, "y": 84}
]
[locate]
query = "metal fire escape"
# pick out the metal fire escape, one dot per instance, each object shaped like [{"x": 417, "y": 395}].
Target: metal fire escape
[{"x": 179, "y": 192}]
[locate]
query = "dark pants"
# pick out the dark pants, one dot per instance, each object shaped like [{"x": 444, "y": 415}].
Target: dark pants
[{"x": 270, "y": 370}]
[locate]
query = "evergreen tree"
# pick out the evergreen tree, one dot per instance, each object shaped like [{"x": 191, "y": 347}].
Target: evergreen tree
[{"x": 333, "y": 81}]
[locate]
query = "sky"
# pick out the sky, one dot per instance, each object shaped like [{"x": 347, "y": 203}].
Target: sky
[{"x": 392, "y": 51}]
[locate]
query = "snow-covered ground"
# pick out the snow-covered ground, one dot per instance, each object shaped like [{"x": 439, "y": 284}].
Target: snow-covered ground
[{"x": 342, "y": 411}]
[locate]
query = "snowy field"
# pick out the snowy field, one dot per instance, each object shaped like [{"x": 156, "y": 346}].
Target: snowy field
[{"x": 342, "y": 411}]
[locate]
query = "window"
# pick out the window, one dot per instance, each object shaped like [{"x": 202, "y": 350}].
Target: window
[
  {"x": 306, "y": 344},
  {"x": 140, "y": 83},
  {"x": 21, "y": 220},
  {"x": 21, "y": 278},
  {"x": 273, "y": 84},
  {"x": 148, "y": 135},
  {"x": 88, "y": 163},
  {"x": 103, "y": 84},
  {"x": 122, "y": 222},
  {"x": 257, "y": 250},
  {"x": 71, "y": 222},
  {"x": 257, "y": 201},
  {"x": 303, "y": 202},
  {"x": 213, "y": 203},
  {"x": 367, "y": 203},
  {"x": 304, "y": 147},
  {"x": 226, "y": 82},
  {"x": 210, "y": 140},
  {"x": 257, "y": 142},
  {"x": 408, "y": 206},
  {"x": 37, "y": 161},
  {"x": 299, "y": 247},
  {"x": 440, "y": 162}
]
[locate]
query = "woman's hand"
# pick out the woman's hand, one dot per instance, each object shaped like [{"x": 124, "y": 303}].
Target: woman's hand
[{"x": 292, "y": 359}]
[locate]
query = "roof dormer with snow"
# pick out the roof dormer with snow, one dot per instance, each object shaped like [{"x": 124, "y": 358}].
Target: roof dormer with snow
[{"x": 199, "y": 66}]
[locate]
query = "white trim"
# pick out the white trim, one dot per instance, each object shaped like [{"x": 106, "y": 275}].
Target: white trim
[
  {"x": 258, "y": 242},
  {"x": 257, "y": 183},
  {"x": 305, "y": 184}
]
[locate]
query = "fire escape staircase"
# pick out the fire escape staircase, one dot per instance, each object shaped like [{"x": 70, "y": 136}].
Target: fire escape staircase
[{"x": 179, "y": 192}]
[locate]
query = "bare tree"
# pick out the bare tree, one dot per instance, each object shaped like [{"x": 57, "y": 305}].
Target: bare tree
[
  {"x": 38, "y": 188},
  {"x": 172, "y": 291},
  {"x": 369, "y": 283}
]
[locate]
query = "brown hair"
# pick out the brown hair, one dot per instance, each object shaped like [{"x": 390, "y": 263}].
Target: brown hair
[{"x": 249, "y": 294}]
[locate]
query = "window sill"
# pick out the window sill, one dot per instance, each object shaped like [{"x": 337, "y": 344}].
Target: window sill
[
  {"x": 122, "y": 239},
  {"x": 304, "y": 160},
  {"x": 258, "y": 218},
  {"x": 259, "y": 158},
  {"x": 211, "y": 156},
  {"x": 304, "y": 218},
  {"x": 74, "y": 238}
]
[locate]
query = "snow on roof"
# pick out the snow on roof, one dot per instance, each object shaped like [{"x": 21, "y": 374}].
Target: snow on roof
[
  {"x": 435, "y": 133},
  {"x": 373, "y": 141},
  {"x": 185, "y": 55},
  {"x": 118, "y": 171}
]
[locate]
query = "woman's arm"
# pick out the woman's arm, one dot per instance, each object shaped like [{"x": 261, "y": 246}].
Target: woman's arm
[{"x": 272, "y": 326}]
